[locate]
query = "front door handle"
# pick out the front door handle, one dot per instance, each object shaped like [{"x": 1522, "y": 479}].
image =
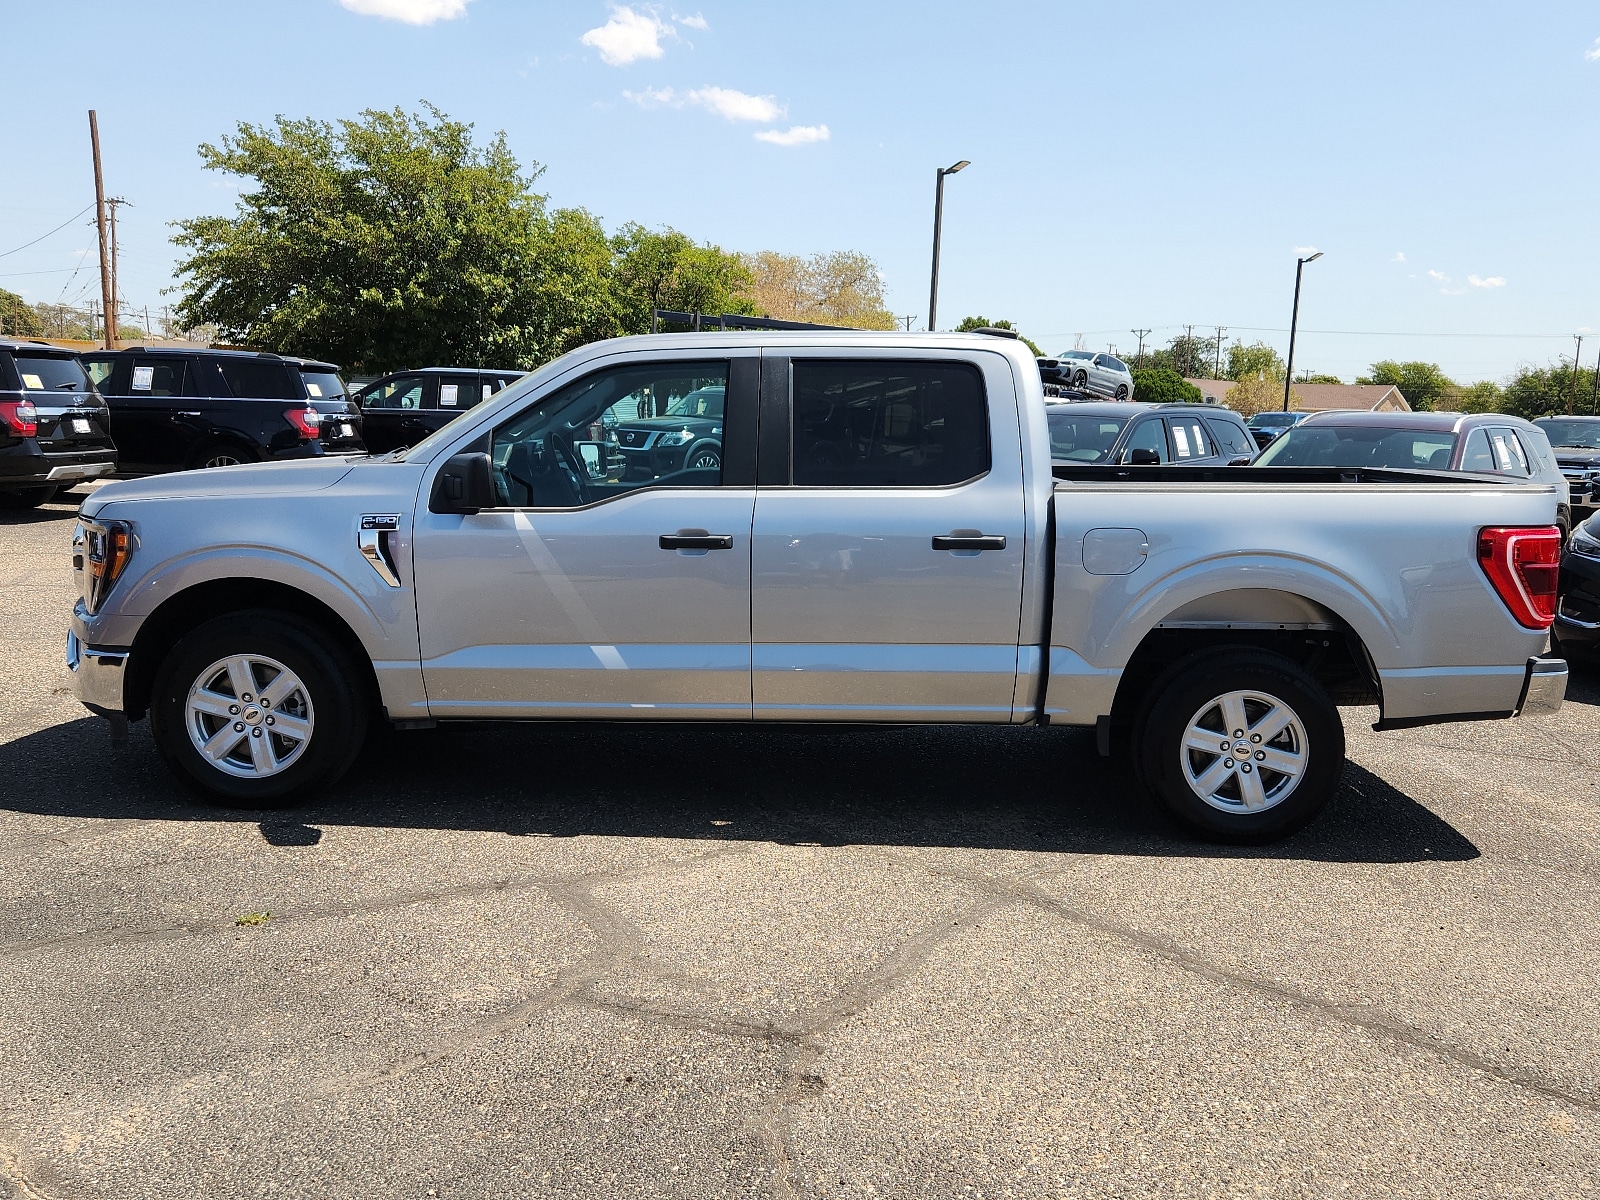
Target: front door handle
[
  {"x": 962, "y": 540},
  {"x": 696, "y": 539}
]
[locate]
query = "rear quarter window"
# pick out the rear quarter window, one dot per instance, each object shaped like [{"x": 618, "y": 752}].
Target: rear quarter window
[{"x": 259, "y": 379}]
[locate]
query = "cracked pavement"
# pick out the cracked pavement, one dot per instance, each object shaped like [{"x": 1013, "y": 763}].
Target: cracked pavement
[{"x": 608, "y": 960}]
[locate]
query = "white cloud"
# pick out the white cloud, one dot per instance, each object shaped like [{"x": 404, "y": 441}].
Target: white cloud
[
  {"x": 795, "y": 135},
  {"x": 736, "y": 106},
  {"x": 654, "y": 97},
  {"x": 412, "y": 12},
  {"x": 1399, "y": 256},
  {"x": 1592, "y": 54},
  {"x": 626, "y": 38},
  {"x": 694, "y": 22},
  {"x": 1439, "y": 275},
  {"x": 1493, "y": 281}
]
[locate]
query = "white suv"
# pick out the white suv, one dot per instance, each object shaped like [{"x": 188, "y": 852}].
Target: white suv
[{"x": 1102, "y": 374}]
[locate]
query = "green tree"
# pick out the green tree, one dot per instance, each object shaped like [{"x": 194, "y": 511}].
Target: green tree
[
  {"x": 1421, "y": 383},
  {"x": 1191, "y": 357},
  {"x": 1309, "y": 378},
  {"x": 17, "y": 317},
  {"x": 1474, "y": 398},
  {"x": 383, "y": 242},
  {"x": 1162, "y": 385},
  {"x": 968, "y": 324},
  {"x": 667, "y": 269},
  {"x": 1539, "y": 391},
  {"x": 1257, "y": 360}
]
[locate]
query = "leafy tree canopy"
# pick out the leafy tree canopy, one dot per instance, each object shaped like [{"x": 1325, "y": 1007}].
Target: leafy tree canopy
[
  {"x": 1163, "y": 385},
  {"x": 17, "y": 318},
  {"x": 1421, "y": 383},
  {"x": 1260, "y": 393},
  {"x": 841, "y": 288},
  {"x": 1255, "y": 361}
]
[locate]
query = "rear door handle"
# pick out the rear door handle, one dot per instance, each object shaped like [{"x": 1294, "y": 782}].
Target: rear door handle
[
  {"x": 969, "y": 541},
  {"x": 696, "y": 540}
]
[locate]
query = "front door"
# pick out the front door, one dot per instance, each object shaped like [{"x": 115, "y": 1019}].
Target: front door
[
  {"x": 586, "y": 592},
  {"x": 392, "y": 412},
  {"x": 888, "y": 544},
  {"x": 152, "y": 429}
]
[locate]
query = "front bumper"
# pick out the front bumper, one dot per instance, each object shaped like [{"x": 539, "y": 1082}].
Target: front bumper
[{"x": 97, "y": 674}]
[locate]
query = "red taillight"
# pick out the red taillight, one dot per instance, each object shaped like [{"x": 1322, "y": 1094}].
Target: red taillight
[
  {"x": 307, "y": 420},
  {"x": 19, "y": 417},
  {"x": 1525, "y": 567}
]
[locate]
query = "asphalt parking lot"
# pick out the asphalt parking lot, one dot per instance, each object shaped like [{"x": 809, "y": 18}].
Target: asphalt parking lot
[{"x": 683, "y": 961}]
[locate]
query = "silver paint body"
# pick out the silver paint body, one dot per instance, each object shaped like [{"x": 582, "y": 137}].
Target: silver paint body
[{"x": 832, "y": 605}]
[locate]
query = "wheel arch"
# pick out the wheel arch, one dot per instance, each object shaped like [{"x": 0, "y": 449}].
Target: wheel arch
[{"x": 201, "y": 602}]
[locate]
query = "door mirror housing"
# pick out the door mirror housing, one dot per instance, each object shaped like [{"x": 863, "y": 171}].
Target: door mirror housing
[
  {"x": 464, "y": 485},
  {"x": 1140, "y": 456}
]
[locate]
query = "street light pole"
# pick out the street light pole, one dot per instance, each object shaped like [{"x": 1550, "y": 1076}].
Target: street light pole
[
  {"x": 1294, "y": 322},
  {"x": 1577, "y": 354},
  {"x": 938, "y": 221}
]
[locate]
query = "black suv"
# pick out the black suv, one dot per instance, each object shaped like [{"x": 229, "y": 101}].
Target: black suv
[
  {"x": 686, "y": 435},
  {"x": 403, "y": 408},
  {"x": 54, "y": 427},
  {"x": 1120, "y": 431},
  {"x": 177, "y": 408}
]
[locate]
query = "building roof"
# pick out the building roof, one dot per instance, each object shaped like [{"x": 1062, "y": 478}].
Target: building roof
[{"x": 1324, "y": 397}]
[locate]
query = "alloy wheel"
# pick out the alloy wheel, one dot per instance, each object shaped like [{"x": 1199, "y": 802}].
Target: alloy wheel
[
  {"x": 1244, "y": 751},
  {"x": 249, "y": 716}
]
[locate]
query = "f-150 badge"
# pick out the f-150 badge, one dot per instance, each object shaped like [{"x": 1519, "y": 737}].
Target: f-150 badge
[{"x": 380, "y": 520}]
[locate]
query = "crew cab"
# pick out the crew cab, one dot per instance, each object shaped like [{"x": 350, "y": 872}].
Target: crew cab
[
  {"x": 55, "y": 429},
  {"x": 176, "y": 409},
  {"x": 884, "y": 539}
]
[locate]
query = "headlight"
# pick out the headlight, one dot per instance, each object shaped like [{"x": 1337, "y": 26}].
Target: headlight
[
  {"x": 104, "y": 548},
  {"x": 1584, "y": 543},
  {"x": 680, "y": 437}
]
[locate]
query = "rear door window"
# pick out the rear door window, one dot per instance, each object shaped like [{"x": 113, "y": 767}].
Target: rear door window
[
  {"x": 867, "y": 423},
  {"x": 158, "y": 376},
  {"x": 1479, "y": 455},
  {"x": 259, "y": 379},
  {"x": 459, "y": 391},
  {"x": 1189, "y": 440},
  {"x": 1508, "y": 454},
  {"x": 1233, "y": 439}
]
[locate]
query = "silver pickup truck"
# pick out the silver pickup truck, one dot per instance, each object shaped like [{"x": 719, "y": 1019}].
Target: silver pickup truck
[{"x": 882, "y": 540}]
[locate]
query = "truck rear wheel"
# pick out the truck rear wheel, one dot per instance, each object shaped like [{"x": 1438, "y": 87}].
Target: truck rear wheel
[
  {"x": 1240, "y": 745},
  {"x": 258, "y": 708}
]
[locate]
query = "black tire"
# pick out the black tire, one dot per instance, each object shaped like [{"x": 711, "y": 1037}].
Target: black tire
[
  {"x": 706, "y": 458},
  {"x": 1187, "y": 693},
  {"x": 1080, "y": 380},
  {"x": 221, "y": 454},
  {"x": 28, "y": 497},
  {"x": 334, "y": 700},
  {"x": 1122, "y": 391}
]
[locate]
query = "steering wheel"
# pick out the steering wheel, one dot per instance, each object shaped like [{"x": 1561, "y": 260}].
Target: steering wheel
[{"x": 571, "y": 463}]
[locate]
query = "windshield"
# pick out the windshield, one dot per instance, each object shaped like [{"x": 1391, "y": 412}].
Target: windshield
[
  {"x": 1580, "y": 435},
  {"x": 49, "y": 373},
  {"x": 1264, "y": 420},
  {"x": 1346, "y": 446},
  {"x": 1076, "y": 354},
  {"x": 1077, "y": 437},
  {"x": 323, "y": 385}
]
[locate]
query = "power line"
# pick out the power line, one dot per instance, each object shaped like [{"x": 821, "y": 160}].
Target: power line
[{"x": 54, "y": 231}]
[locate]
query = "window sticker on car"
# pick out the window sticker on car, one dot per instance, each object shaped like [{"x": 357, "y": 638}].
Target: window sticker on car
[
  {"x": 488, "y": 390},
  {"x": 33, "y": 383},
  {"x": 447, "y": 395},
  {"x": 315, "y": 389},
  {"x": 1182, "y": 436},
  {"x": 142, "y": 378}
]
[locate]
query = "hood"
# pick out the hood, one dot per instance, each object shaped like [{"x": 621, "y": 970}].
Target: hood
[
  {"x": 667, "y": 422},
  {"x": 1576, "y": 454},
  {"x": 220, "y": 483}
]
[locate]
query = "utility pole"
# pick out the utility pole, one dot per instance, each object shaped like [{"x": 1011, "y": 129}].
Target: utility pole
[
  {"x": 908, "y": 319},
  {"x": 100, "y": 221},
  {"x": 1576, "y": 355},
  {"x": 116, "y": 294},
  {"x": 1188, "y": 352},
  {"x": 1216, "y": 368},
  {"x": 1141, "y": 334}
]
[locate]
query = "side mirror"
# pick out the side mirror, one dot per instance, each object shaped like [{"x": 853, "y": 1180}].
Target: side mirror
[
  {"x": 1241, "y": 460},
  {"x": 465, "y": 485},
  {"x": 1141, "y": 457}
]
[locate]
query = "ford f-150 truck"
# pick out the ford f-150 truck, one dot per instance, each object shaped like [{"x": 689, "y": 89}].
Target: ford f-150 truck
[{"x": 882, "y": 539}]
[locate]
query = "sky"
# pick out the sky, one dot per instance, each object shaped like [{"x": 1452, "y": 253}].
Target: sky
[{"x": 1134, "y": 166}]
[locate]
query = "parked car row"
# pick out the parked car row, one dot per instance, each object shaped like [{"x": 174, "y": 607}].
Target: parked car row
[{"x": 66, "y": 417}]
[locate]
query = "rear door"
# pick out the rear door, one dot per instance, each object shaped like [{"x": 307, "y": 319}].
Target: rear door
[
  {"x": 1189, "y": 441},
  {"x": 888, "y": 539},
  {"x": 148, "y": 415}
]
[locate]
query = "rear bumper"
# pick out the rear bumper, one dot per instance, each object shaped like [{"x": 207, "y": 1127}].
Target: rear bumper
[
  {"x": 1545, "y": 689},
  {"x": 97, "y": 674},
  {"x": 27, "y": 465},
  {"x": 1442, "y": 695}
]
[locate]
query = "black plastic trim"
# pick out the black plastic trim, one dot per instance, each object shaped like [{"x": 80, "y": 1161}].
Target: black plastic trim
[
  {"x": 741, "y": 419},
  {"x": 1440, "y": 719},
  {"x": 772, "y": 466}
]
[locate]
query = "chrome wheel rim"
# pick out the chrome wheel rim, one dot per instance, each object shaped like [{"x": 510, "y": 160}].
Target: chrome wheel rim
[
  {"x": 706, "y": 460},
  {"x": 223, "y": 460},
  {"x": 1244, "y": 752},
  {"x": 249, "y": 716}
]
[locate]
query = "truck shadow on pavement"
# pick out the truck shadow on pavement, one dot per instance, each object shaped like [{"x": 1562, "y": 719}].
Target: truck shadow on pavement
[{"x": 1010, "y": 789}]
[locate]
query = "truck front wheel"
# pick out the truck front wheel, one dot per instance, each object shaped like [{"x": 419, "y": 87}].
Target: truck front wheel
[
  {"x": 1240, "y": 745},
  {"x": 258, "y": 708}
]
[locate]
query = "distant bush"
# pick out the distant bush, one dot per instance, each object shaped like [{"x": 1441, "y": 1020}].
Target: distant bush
[{"x": 1162, "y": 385}]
